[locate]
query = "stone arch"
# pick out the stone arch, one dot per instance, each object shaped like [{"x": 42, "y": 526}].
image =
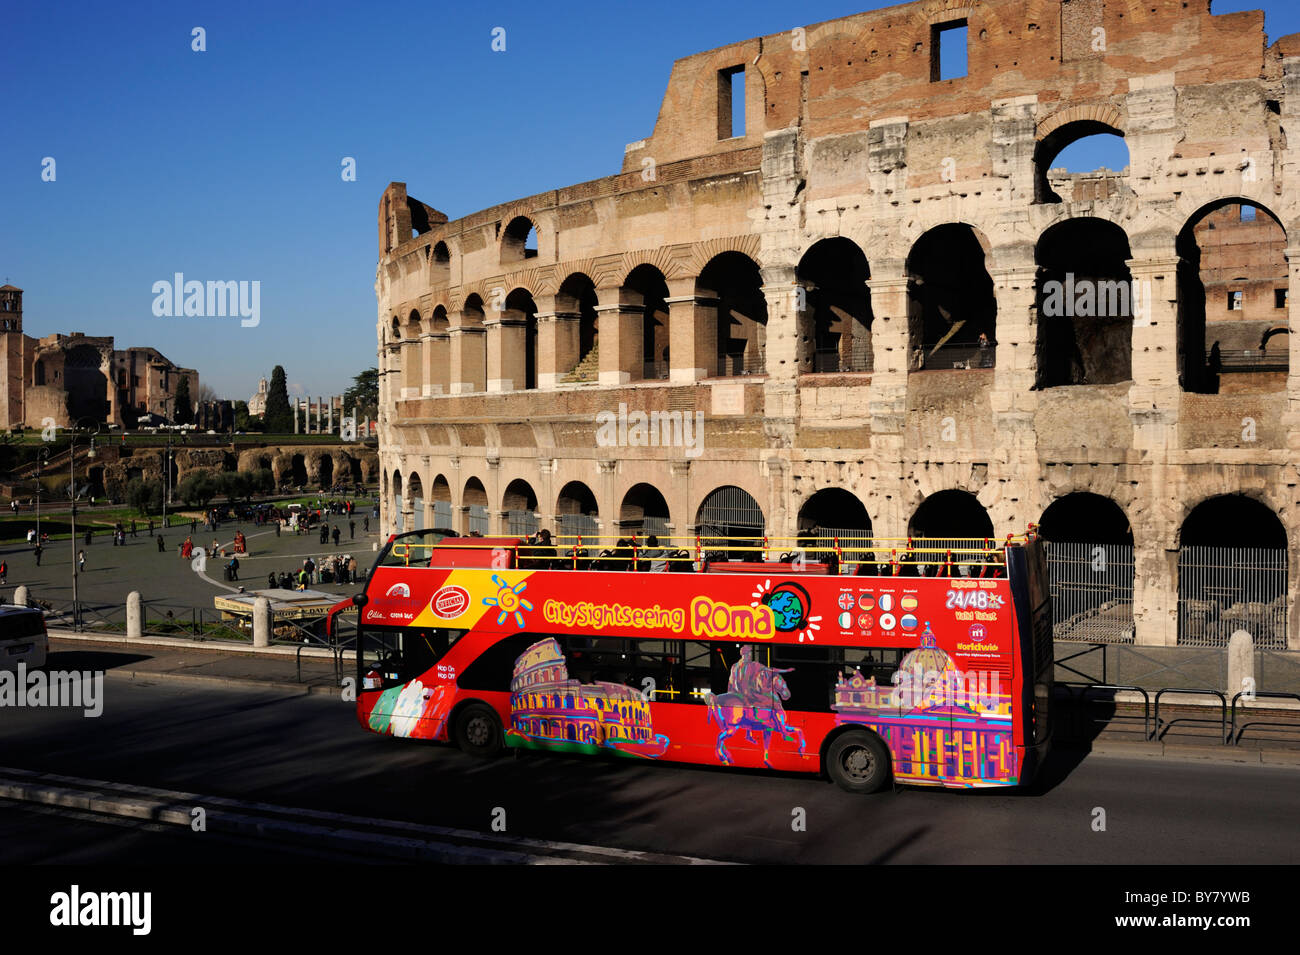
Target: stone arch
[
  {"x": 1084, "y": 304},
  {"x": 576, "y": 511},
  {"x": 577, "y": 299},
  {"x": 520, "y": 309},
  {"x": 444, "y": 517},
  {"x": 519, "y": 504},
  {"x": 645, "y": 288},
  {"x": 730, "y": 286},
  {"x": 415, "y": 502},
  {"x": 836, "y": 317},
  {"x": 1064, "y": 128},
  {"x": 952, "y": 310},
  {"x": 474, "y": 504},
  {"x": 644, "y": 511},
  {"x": 512, "y": 243},
  {"x": 1211, "y": 282},
  {"x": 730, "y": 523}
]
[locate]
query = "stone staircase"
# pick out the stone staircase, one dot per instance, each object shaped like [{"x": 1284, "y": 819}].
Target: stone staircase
[{"x": 586, "y": 370}]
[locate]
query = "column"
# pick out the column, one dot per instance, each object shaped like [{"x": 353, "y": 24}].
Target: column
[
  {"x": 622, "y": 337},
  {"x": 436, "y": 354},
  {"x": 889, "y": 338},
  {"x": 1015, "y": 349},
  {"x": 329, "y": 412},
  {"x": 295, "y": 417},
  {"x": 781, "y": 352},
  {"x": 1155, "y": 395},
  {"x": 468, "y": 345},
  {"x": 507, "y": 342},
  {"x": 692, "y": 333},
  {"x": 557, "y": 342}
]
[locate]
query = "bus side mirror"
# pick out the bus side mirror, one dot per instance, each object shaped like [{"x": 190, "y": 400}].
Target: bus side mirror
[{"x": 360, "y": 600}]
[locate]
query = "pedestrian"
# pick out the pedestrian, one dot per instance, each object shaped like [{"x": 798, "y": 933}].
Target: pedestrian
[
  {"x": 31, "y": 534},
  {"x": 194, "y": 526},
  {"x": 234, "y": 568},
  {"x": 89, "y": 537},
  {"x": 277, "y": 527},
  {"x": 38, "y": 551},
  {"x": 81, "y": 561},
  {"x": 302, "y": 579},
  {"x": 309, "y": 565},
  {"x": 352, "y": 530},
  {"x": 4, "y": 571},
  {"x": 335, "y": 535},
  {"x": 151, "y": 527},
  {"x": 161, "y": 546},
  {"x": 365, "y": 524},
  {"x": 352, "y": 570},
  {"x": 133, "y": 528}
]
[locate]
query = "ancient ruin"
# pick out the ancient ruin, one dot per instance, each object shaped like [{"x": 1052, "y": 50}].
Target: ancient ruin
[{"x": 893, "y": 312}]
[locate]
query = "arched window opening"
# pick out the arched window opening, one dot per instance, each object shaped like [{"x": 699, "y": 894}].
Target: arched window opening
[
  {"x": 952, "y": 311},
  {"x": 836, "y": 307},
  {"x": 1232, "y": 298},
  {"x": 1086, "y": 301}
]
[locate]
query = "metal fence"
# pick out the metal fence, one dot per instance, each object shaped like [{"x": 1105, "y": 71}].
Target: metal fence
[
  {"x": 730, "y": 512},
  {"x": 417, "y": 513},
  {"x": 478, "y": 519},
  {"x": 1092, "y": 591},
  {"x": 829, "y": 360},
  {"x": 521, "y": 523},
  {"x": 442, "y": 515},
  {"x": 1225, "y": 589},
  {"x": 571, "y": 525},
  {"x": 959, "y": 356}
]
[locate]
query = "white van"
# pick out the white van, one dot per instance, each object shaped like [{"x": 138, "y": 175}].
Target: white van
[{"x": 23, "y": 637}]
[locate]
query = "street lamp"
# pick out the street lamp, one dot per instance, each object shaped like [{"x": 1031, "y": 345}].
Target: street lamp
[
  {"x": 72, "y": 492},
  {"x": 41, "y": 459}
]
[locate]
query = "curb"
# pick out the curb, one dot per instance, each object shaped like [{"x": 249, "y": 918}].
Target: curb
[
  {"x": 280, "y": 686},
  {"x": 212, "y": 646}
]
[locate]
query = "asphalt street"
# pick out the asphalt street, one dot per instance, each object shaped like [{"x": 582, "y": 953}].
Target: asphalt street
[{"x": 308, "y": 752}]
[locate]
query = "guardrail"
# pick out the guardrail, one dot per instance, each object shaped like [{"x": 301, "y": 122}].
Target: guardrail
[
  {"x": 1203, "y": 691},
  {"x": 1235, "y": 735},
  {"x": 1085, "y": 688}
]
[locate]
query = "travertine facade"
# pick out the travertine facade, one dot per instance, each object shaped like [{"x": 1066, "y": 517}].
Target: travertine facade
[{"x": 855, "y": 291}]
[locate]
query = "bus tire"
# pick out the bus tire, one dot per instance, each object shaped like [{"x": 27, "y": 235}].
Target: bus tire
[
  {"x": 478, "y": 730},
  {"x": 858, "y": 762}
]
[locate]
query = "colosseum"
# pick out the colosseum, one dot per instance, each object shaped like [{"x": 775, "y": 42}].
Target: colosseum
[{"x": 891, "y": 313}]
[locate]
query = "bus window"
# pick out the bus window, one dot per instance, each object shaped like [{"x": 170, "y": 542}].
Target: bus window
[
  {"x": 401, "y": 654},
  {"x": 811, "y": 678},
  {"x": 655, "y": 669},
  {"x": 601, "y": 660},
  {"x": 879, "y": 662},
  {"x": 495, "y": 667},
  {"x": 708, "y": 668}
]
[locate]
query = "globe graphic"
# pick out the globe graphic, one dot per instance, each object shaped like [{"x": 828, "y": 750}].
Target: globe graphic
[{"x": 787, "y": 608}]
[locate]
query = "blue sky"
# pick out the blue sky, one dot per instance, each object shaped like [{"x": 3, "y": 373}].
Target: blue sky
[{"x": 225, "y": 165}]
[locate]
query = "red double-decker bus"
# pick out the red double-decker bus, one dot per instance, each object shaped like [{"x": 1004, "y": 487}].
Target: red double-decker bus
[{"x": 873, "y": 660}]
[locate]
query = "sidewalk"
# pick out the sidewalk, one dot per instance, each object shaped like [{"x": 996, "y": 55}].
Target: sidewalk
[{"x": 272, "y": 668}]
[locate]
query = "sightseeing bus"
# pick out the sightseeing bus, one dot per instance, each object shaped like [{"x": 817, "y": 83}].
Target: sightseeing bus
[{"x": 868, "y": 662}]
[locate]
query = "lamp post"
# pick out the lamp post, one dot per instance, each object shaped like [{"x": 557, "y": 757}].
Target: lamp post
[
  {"x": 72, "y": 492},
  {"x": 41, "y": 458}
]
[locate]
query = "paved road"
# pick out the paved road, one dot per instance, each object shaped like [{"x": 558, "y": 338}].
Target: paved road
[
  {"x": 307, "y": 751},
  {"x": 112, "y": 572}
]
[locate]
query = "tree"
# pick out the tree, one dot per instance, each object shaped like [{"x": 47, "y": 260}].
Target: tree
[
  {"x": 241, "y": 415},
  {"x": 145, "y": 497},
  {"x": 363, "y": 395},
  {"x": 279, "y": 416},
  {"x": 198, "y": 487},
  {"x": 184, "y": 413}
]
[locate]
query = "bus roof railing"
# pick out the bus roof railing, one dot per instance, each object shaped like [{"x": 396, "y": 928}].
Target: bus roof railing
[{"x": 842, "y": 552}]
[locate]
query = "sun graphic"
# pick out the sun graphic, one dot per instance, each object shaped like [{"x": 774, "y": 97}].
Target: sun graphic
[{"x": 508, "y": 601}]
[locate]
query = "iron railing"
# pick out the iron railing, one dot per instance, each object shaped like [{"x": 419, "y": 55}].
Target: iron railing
[
  {"x": 1092, "y": 591},
  {"x": 1225, "y": 589}
]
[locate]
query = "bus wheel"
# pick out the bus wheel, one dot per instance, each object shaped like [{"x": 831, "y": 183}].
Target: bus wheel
[
  {"x": 478, "y": 731},
  {"x": 858, "y": 762}
]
